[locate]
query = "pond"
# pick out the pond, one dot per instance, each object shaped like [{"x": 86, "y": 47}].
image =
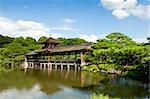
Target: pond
[{"x": 56, "y": 84}]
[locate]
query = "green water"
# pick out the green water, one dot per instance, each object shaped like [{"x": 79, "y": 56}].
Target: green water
[{"x": 36, "y": 84}]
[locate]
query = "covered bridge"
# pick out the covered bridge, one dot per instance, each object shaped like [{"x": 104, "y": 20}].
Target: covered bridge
[{"x": 54, "y": 56}]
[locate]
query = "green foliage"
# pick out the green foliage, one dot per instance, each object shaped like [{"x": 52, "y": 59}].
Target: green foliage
[
  {"x": 91, "y": 68},
  {"x": 71, "y": 41},
  {"x": 120, "y": 38},
  {"x": 107, "y": 66},
  {"x": 99, "y": 96},
  {"x": 120, "y": 50},
  {"x": 13, "y": 52},
  {"x": 42, "y": 39},
  {"x": 105, "y": 44},
  {"x": 5, "y": 40},
  {"x": 4, "y": 70},
  {"x": 131, "y": 55},
  {"x": 103, "y": 55}
]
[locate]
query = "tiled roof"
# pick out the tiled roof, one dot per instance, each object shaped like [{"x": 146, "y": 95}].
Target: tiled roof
[{"x": 69, "y": 48}]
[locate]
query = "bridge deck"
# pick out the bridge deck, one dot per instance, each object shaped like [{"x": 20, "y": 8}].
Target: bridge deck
[{"x": 50, "y": 64}]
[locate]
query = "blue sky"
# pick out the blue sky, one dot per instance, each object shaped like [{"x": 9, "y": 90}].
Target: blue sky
[{"x": 87, "y": 19}]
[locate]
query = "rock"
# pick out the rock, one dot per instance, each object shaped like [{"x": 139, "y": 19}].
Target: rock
[{"x": 112, "y": 71}]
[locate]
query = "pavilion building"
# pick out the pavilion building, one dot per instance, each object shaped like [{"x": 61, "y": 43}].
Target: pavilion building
[{"x": 54, "y": 56}]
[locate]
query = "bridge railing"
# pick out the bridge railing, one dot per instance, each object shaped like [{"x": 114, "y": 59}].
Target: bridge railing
[{"x": 43, "y": 60}]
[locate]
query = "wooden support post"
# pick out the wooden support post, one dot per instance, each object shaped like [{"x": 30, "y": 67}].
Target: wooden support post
[
  {"x": 68, "y": 67},
  {"x": 44, "y": 66},
  {"x": 61, "y": 66},
  {"x": 50, "y": 66},
  {"x": 79, "y": 68},
  {"x": 41, "y": 66},
  {"x": 29, "y": 65},
  {"x": 55, "y": 65},
  {"x": 35, "y": 65},
  {"x": 47, "y": 65},
  {"x": 75, "y": 66},
  {"x": 32, "y": 65},
  {"x": 25, "y": 63},
  {"x": 82, "y": 58}
]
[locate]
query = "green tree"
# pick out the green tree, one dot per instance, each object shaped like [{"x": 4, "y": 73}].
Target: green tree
[
  {"x": 120, "y": 38},
  {"x": 30, "y": 40},
  {"x": 14, "y": 51},
  {"x": 5, "y": 40},
  {"x": 42, "y": 39},
  {"x": 71, "y": 41}
]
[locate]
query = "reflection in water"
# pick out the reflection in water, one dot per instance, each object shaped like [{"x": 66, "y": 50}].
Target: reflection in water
[
  {"x": 36, "y": 84},
  {"x": 36, "y": 93},
  {"x": 33, "y": 93}
]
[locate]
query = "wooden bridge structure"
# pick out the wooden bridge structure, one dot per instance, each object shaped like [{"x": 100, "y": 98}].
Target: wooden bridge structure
[{"x": 54, "y": 57}]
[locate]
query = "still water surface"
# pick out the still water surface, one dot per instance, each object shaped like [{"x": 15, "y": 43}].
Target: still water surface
[{"x": 36, "y": 84}]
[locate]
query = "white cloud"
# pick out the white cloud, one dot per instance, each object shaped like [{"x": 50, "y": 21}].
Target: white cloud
[
  {"x": 120, "y": 14},
  {"x": 66, "y": 26},
  {"x": 67, "y": 20},
  {"x": 63, "y": 28},
  {"x": 142, "y": 11},
  {"x": 24, "y": 28},
  {"x": 124, "y": 8},
  {"x": 112, "y": 4},
  {"x": 141, "y": 40},
  {"x": 89, "y": 38}
]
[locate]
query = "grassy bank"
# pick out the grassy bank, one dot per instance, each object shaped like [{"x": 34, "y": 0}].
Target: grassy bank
[
  {"x": 99, "y": 96},
  {"x": 2, "y": 69}
]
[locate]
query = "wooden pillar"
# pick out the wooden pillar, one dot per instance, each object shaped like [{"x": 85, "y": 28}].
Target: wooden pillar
[
  {"x": 55, "y": 65},
  {"x": 68, "y": 67},
  {"x": 61, "y": 66},
  {"x": 50, "y": 66},
  {"x": 30, "y": 65},
  {"x": 75, "y": 66},
  {"x": 35, "y": 66},
  {"x": 79, "y": 68},
  {"x": 44, "y": 66},
  {"x": 82, "y": 58},
  {"x": 25, "y": 63},
  {"x": 41, "y": 65}
]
